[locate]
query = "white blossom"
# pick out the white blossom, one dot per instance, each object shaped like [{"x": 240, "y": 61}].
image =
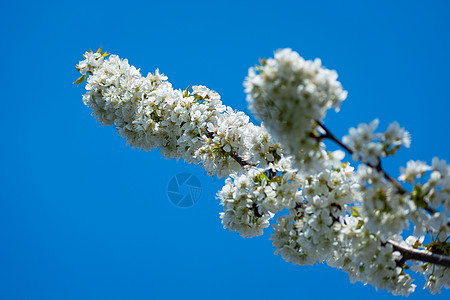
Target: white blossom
[
  {"x": 91, "y": 62},
  {"x": 396, "y": 136},
  {"x": 290, "y": 94},
  {"x": 251, "y": 199},
  {"x": 436, "y": 277},
  {"x": 312, "y": 228},
  {"x": 413, "y": 171},
  {"x": 386, "y": 211},
  {"x": 369, "y": 147}
]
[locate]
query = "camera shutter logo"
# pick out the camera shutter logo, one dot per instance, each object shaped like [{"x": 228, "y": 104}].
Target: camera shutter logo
[{"x": 184, "y": 190}]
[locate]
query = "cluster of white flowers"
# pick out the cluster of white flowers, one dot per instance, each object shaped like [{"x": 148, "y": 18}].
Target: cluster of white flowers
[
  {"x": 91, "y": 62},
  {"x": 263, "y": 149},
  {"x": 290, "y": 95},
  {"x": 367, "y": 259},
  {"x": 437, "y": 276},
  {"x": 369, "y": 147},
  {"x": 432, "y": 194},
  {"x": 194, "y": 126},
  {"x": 322, "y": 229},
  {"x": 386, "y": 211},
  {"x": 351, "y": 220},
  {"x": 308, "y": 233},
  {"x": 437, "y": 189},
  {"x": 250, "y": 200}
]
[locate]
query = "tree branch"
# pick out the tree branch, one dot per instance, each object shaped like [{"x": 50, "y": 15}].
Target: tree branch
[{"x": 421, "y": 255}]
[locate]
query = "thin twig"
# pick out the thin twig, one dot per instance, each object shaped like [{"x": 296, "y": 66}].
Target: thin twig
[
  {"x": 377, "y": 167},
  {"x": 329, "y": 135},
  {"x": 407, "y": 253},
  {"x": 233, "y": 154}
]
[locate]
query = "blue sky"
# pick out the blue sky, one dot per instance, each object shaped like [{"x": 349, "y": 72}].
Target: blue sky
[{"x": 82, "y": 216}]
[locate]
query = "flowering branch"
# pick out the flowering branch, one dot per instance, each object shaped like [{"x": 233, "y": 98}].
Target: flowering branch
[
  {"x": 291, "y": 96},
  {"x": 351, "y": 220}
]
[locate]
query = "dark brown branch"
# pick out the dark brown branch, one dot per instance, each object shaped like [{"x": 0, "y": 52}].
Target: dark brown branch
[
  {"x": 238, "y": 159},
  {"x": 233, "y": 153},
  {"x": 256, "y": 211},
  {"x": 377, "y": 167},
  {"x": 409, "y": 253}
]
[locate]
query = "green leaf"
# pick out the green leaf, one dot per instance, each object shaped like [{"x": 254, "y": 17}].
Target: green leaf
[
  {"x": 260, "y": 69},
  {"x": 81, "y": 79},
  {"x": 186, "y": 92},
  {"x": 260, "y": 177},
  {"x": 355, "y": 212},
  {"x": 360, "y": 224},
  {"x": 99, "y": 50}
]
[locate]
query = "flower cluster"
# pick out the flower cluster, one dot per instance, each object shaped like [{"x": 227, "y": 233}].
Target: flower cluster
[
  {"x": 194, "y": 126},
  {"x": 91, "y": 62},
  {"x": 386, "y": 211},
  {"x": 309, "y": 232},
  {"x": 250, "y": 200},
  {"x": 290, "y": 95},
  {"x": 369, "y": 147},
  {"x": 323, "y": 230},
  {"x": 367, "y": 259},
  {"x": 437, "y": 277},
  {"x": 432, "y": 196}
]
